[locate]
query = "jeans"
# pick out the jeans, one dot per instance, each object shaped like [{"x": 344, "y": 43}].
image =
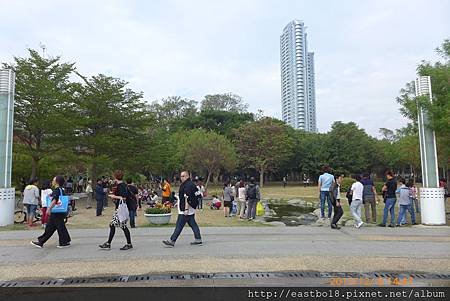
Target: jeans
[
  {"x": 416, "y": 204},
  {"x": 132, "y": 218},
  {"x": 338, "y": 212},
  {"x": 181, "y": 222},
  {"x": 402, "y": 215},
  {"x": 368, "y": 205},
  {"x": 200, "y": 203},
  {"x": 325, "y": 195},
  {"x": 389, "y": 207},
  {"x": 31, "y": 209},
  {"x": 56, "y": 223},
  {"x": 355, "y": 209},
  {"x": 251, "y": 210},
  {"x": 99, "y": 207}
]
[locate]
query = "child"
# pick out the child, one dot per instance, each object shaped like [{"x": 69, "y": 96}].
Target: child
[
  {"x": 405, "y": 201},
  {"x": 216, "y": 203}
]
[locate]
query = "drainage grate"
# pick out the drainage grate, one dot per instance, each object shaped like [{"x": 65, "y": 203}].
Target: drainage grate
[{"x": 253, "y": 275}]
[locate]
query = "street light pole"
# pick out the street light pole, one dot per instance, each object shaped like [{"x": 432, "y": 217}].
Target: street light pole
[
  {"x": 431, "y": 196},
  {"x": 7, "y": 193}
]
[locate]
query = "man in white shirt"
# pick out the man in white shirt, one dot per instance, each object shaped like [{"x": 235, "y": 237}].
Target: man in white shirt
[{"x": 357, "y": 196}]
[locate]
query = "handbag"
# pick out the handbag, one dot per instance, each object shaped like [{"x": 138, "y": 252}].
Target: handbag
[
  {"x": 62, "y": 205},
  {"x": 122, "y": 211}
]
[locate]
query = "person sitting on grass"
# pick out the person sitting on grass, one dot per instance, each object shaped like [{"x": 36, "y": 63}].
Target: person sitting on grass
[{"x": 216, "y": 203}]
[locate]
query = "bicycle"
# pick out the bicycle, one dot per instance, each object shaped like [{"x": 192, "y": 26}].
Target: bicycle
[{"x": 20, "y": 216}]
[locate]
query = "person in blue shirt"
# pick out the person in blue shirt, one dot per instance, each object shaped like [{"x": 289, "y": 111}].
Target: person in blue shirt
[{"x": 326, "y": 180}]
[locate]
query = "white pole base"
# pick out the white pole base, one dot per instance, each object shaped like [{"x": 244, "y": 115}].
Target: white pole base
[
  {"x": 432, "y": 206},
  {"x": 7, "y": 206}
]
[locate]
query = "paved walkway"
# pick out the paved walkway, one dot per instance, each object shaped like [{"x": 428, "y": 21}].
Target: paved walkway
[{"x": 246, "y": 249}]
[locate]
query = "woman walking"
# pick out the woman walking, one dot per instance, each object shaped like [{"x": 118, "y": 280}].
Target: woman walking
[
  {"x": 120, "y": 194},
  {"x": 56, "y": 220}
]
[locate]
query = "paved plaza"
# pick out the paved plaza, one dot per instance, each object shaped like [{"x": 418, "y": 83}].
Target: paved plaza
[{"x": 248, "y": 249}]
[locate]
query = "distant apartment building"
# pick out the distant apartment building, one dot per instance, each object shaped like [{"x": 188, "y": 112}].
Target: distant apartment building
[{"x": 298, "y": 95}]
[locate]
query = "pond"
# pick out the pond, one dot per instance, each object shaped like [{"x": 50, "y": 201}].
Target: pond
[{"x": 291, "y": 213}]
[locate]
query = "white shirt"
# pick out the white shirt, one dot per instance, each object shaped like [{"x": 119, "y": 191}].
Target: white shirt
[
  {"x": 191, "y": 210},
  {"x": 44, "y": 195},
  {"x": 241, "y": 193},
  {"x": 357, "y": 191}
]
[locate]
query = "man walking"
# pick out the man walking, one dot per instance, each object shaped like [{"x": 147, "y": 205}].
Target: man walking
[
  {"x": 188, "y": 196},
  {"x": 253, "y": 195},
  {"x": 336, "y": 201},
  {"x": 325, "y": 182},
  {"x": 357, "y": 196}
]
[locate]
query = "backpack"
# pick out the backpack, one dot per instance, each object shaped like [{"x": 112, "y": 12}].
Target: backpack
[{"x": 251, "y": 192}]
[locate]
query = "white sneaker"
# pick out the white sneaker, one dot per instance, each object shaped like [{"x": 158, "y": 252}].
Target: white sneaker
[{"x": 359, "y": 225}]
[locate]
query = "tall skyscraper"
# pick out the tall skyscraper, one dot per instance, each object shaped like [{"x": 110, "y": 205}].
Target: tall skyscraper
[{"x": 298, "y": 95}]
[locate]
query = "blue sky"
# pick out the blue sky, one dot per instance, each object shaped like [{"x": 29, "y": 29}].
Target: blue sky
[{"x": 365, "y": 51}]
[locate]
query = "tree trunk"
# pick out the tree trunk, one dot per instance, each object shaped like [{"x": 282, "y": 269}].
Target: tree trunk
[
  {"x": 207, "y": 179},
  {"x": 34, "y": 167},
  {"x": 261, "y": 176},
  {"x": 216, "y": 178}
]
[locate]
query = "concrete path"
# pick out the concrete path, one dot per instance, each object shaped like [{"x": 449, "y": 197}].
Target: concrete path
[{"x": 246, "y": 249}]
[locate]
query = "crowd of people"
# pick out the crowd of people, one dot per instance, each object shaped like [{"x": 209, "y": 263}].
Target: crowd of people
[
  {"x": 238, "y": 198},
  {"x": 363, "y": 194}
]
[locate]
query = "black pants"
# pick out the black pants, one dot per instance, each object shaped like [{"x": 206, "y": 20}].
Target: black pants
[
  {"x": 56, "y": 223},
  {"x": 112, "y": 231},
  {"x": 338, "y": 212},
  {"x": 99, "y": 207},
  {"x": 181, "y": 222}
]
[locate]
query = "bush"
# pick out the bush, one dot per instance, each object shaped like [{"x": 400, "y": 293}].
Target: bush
[
  {"x": 346, "y": 184},
  {"x": 159, "y": 209}
]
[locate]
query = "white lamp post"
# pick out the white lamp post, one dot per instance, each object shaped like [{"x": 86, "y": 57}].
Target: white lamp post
[
  {"x": 7, "y": 193},
  {"x": 432, "y": 203}
]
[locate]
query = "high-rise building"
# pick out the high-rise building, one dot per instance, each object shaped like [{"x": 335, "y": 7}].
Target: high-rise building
[{"x": 298, "y": 95}]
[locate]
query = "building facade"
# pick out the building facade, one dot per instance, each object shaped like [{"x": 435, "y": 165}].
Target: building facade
[{"x": 298, "y": 96}]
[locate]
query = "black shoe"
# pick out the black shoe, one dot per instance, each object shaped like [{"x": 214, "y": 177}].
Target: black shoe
[
  {"x": 391, "y": 226},
  {"x": 105, "y": 246},
  {"x": 169, "y": 243},
  {"x": 63, "y": 246},
  {"x": 381, "y": 225},
  {"x": 196, "y": 243},
  {"x": 133, "y": 226},
  {"x": 127, "y": 247},
  {"x": 36, "y": 244},
  {"x": 334, "y": 226}
]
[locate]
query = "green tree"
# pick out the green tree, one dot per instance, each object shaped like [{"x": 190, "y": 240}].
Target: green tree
[
  {"x": 171, "y": 111},
  {"x": 350, "y": 148},
  {"x": 207, "y": 152},
  {"x": 264, "y": 145},
  {"x": 113, "y": 123},
  {"x": 224, "y": 102},
  {"x": 222, "y": 122},
  {"x": 439, "y": 108},
  {"x": 43, "y": 106}
]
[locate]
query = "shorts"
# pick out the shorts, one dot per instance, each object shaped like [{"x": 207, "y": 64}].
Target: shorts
[
  {"x": 31, "y": 209},
  {"x": 165, "y": 199},
  {"x": 227, "y": 204}
]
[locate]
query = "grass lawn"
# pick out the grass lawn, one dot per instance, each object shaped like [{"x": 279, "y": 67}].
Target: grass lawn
[{"x": 85, "y": 218}]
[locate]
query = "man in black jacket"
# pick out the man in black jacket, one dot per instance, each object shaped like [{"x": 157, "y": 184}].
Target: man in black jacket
[
  {"x": 100, "y": 195},
  {"x": 188, "y": 196}
]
